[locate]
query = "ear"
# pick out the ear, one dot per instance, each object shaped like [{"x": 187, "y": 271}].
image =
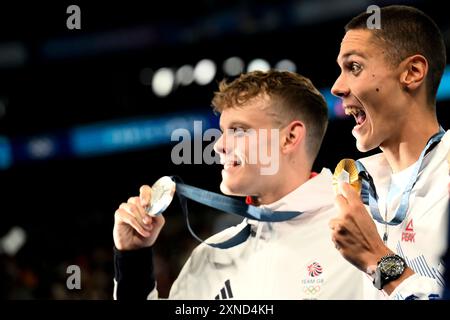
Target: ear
[
  {"x": 294, "y": 134},
  {"x": 415, "y": 70}
]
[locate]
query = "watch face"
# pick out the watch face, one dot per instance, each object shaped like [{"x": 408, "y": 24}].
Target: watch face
[{"x": 392, "y": 266}]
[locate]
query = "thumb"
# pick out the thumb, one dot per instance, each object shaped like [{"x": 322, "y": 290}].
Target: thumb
[
  {"x": 145, "y": 195},
  {"x": 349, "y": 192}
]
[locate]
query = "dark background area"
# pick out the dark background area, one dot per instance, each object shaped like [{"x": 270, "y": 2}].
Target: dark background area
[{"x": 66, "y": 204}]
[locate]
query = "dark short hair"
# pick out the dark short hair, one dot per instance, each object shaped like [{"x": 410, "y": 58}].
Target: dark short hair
[
  {"x": 406, "y": 31},
  {"x": 293, "y": 97}
]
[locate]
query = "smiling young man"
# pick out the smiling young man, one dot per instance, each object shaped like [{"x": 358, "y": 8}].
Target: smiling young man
[
  {"x": 294, "y": 259},
  {"x": 388, "y": 82}
]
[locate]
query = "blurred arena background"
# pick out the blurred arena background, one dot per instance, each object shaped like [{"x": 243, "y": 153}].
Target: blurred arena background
[{"x": 86, "y": 117}]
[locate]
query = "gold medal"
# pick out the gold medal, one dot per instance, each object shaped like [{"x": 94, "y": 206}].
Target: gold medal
[{"x": 346, "y": 171}]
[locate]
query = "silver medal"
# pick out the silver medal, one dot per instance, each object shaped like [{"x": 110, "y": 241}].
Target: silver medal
[{"x": 163, "y": 191}]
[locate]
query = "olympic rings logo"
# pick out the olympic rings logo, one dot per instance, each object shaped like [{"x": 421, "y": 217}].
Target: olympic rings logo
[{"x": 311, "y": 289}]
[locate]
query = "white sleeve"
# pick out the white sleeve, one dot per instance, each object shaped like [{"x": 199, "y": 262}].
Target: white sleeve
[{"x": 417, "y": 287}]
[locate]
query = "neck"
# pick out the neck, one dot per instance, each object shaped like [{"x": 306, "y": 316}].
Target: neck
[
  {"x": 285, "y": 184},
  {"x": 403, "y": 149}
]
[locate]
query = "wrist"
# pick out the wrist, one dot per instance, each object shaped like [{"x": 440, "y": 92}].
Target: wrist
[
  {"x": 370, "y": 271},
  {"x": 133, "y": 272},
  {"x": 391, "y": 286},
  {"x": 388, "y": 270},
  {"x": 373, "y": 260}
]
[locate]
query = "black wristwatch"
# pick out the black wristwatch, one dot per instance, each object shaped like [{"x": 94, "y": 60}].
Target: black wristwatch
[{"x": 389, "y": 268}]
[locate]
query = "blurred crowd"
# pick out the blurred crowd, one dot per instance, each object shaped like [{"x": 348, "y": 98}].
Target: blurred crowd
[{"x": 25, "y": 276}]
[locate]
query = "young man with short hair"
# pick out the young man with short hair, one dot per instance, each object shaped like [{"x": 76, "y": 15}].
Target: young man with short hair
[
  {"x": 388, "y": 82},
  {"x": 294, "y": 259}
]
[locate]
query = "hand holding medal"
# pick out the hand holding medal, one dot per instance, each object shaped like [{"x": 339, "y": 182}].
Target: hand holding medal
[
  {"x": 346, "y": 171},
  {"x": 353, "y": 231}
]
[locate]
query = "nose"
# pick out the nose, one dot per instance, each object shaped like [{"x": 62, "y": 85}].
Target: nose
[
  {"x": 340, "y": 89},
  {"x": 220, "y": 145}
]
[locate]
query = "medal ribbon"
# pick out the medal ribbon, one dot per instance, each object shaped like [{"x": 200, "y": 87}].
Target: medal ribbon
[
  {"x": 369, "y": 194},
  {"x": 228, "y": 205}
]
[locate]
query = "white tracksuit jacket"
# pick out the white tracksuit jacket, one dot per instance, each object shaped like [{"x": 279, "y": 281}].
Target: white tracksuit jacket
[
  {"x": 422, "y": 237},
  {"x": 282, "y": 260}
]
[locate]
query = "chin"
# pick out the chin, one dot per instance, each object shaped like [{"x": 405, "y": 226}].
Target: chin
[
  {"x": 231, "y": 190},
  {"x": 225, "y": 190},
  {"x": 361, "y": 148},
  {"x": 364, "y": 146}
]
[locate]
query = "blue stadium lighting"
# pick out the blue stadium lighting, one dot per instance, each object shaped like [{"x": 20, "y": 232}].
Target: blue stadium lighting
[
  {"x": 5, "y": 153},
  {"x": 444, "y": 88},
  {"x": 136, "y": 134}
]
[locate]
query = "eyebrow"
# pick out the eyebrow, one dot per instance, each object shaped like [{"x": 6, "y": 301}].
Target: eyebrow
[{"x": 351, "y": 53}]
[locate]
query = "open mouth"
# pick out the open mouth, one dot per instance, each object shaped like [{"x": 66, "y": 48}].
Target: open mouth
[
  {"x": 358, "y": 113},
  {"x": 231, "y": 164}
]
